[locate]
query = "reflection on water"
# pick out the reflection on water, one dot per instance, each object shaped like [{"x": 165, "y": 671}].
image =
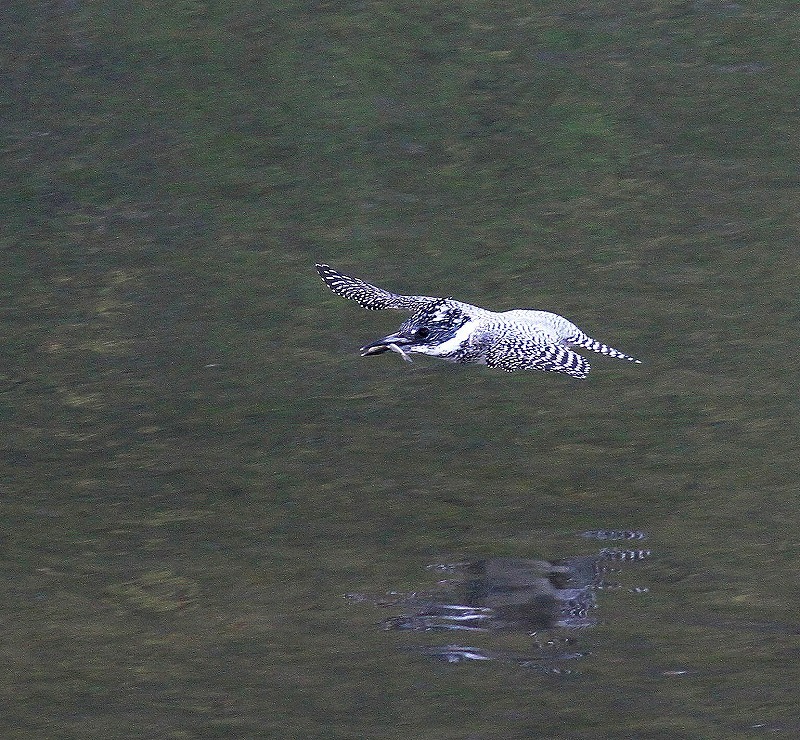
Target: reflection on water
[{"x": 547, "y": 599}]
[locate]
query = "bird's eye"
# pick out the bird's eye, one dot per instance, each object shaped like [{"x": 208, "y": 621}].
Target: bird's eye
[{"x": 422, "y": 332}]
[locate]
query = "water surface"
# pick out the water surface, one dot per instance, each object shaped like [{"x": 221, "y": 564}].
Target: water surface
[{"x": 200, "y": 471}]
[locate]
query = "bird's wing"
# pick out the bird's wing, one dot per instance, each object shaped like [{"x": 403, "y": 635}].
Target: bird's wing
[
  {"x": 370, "y": 296},
  {"x": 513, "y": 352}
]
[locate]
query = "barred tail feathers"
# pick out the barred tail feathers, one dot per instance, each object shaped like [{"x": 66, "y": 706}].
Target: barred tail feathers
[{"x": 582, "y": 340}]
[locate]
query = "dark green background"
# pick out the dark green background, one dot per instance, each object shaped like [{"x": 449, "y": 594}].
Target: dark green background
[{"x": 198, "y": 465}]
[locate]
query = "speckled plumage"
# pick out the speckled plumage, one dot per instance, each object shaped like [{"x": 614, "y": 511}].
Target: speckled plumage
[{"x": 459, "y": 332}]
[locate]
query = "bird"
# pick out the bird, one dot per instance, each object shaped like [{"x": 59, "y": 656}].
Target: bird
[{"x": 520, "y": 339}]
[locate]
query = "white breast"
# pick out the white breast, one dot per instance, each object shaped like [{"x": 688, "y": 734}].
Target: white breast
[{"x": 451, "y": 345}]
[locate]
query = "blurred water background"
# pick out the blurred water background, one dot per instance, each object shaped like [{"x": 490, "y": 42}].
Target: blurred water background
[{"x": 219, "y": 521}]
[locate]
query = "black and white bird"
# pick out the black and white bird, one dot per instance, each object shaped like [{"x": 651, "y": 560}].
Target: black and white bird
[{"x": 459, "y": 332}]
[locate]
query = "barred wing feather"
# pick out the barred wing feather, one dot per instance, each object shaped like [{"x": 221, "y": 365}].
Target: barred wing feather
[
  {"x": 516, "y": 353},
  {"x": 370, "y": 296}
]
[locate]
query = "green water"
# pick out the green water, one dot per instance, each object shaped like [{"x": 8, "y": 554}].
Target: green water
[{"x": 199, "y": 466}]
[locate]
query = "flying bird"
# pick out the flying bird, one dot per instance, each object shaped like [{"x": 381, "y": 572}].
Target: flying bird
[{"x": 459, "y": 332}]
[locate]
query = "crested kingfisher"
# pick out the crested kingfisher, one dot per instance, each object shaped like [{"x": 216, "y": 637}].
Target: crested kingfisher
[{"x": 520, "y": 339}]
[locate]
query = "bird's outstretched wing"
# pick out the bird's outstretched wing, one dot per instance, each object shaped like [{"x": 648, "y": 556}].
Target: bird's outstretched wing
[
  {"x": 519, "y": 353},
  {"x": 370, "y": 296}
]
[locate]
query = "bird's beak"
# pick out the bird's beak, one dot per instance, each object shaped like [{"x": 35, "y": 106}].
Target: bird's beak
[{"x": 394, "y": 342}]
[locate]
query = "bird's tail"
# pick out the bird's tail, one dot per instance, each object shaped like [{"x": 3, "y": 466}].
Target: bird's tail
[{"x": 592, "y": 344}]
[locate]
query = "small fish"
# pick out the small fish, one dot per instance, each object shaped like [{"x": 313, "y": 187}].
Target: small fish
[
  {"x": 397, "y": 348},
  {"x": 376, "y": 349}
]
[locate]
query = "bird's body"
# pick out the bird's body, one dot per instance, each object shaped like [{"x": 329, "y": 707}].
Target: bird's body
[{"x": 519, "y": 339}]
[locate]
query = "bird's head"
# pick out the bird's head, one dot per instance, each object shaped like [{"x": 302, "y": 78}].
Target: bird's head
[{"x": 425, "y": 332}]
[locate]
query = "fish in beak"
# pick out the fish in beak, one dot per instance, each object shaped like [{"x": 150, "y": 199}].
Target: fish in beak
[{"x": 393, "y": 342}]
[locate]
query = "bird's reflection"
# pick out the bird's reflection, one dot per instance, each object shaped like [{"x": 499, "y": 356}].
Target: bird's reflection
[{"x": 546, "y": 599}]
